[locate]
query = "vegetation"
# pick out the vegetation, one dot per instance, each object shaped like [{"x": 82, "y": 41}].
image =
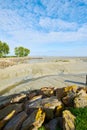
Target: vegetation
[
  {"x": 4, "y": 49},
  {"x": 21, "y": 51},
  {"x": 81, "y": 118},
  {"x": 42, "y": 128}
]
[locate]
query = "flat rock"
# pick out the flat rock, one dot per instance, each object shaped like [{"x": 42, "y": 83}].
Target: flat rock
[
  {"x": 5, "y": 111},
  {"x": 16, "y": 122}
]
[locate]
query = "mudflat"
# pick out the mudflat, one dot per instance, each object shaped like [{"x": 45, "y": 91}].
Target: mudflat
[{"x": 42, "y": 72}]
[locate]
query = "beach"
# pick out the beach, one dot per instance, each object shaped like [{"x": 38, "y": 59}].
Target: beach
[{"x": 43, "y": 72}]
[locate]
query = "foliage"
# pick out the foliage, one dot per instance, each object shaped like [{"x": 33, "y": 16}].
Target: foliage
[
  {"x": 81, "y": 118},
  {"x": 42, "y": 128},
  {"x": 21, "y": 51},
  {"x": 4, "y": 49}
]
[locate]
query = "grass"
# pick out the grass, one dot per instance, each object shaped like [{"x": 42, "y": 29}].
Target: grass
[
  {"x": 61, "y": 60},
  {"x": 81, "y": 118}
]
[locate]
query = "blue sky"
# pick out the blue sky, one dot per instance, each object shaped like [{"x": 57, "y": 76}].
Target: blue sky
[{"x": 46, "y": 27}]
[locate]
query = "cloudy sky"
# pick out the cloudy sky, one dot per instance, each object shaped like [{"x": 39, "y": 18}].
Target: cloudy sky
[{"x": 46, "y": 27}]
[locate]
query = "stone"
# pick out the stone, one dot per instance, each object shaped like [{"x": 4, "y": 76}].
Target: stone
[
  {"x": 31, "y": 95},
  {"x": 18, "y": 98},
  {"x": 34, "y": 121},
  {"x": 72, "y": 88},
  {"x": 16, "y": 122},
  {"x": 32, "y": 100},
  {"x": 35, "y": 98},
  {"x": 69, "y": 99},
  {"x": 47, "y": 91},
  {"x": 71, "y": 92},
  {"x": 68, "y": 120},
  {"x": 4, "y": 103},
  {"x": 6, "y": 119},
  {"x": 52, "y": 124},
  {"x": 5, "y": 111},
  {"x": 60, "y": 93},
  {"x": 80, "y": 99}
]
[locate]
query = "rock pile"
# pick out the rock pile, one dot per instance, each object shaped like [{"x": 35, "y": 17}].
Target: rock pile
[{"x": 44, "y": 109}]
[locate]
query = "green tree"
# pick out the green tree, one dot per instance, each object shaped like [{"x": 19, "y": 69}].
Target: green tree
[
  {"x": 26, "y": 51},
  {"x": 21, "y": 51},
  {"x": 4, "y": 49}
]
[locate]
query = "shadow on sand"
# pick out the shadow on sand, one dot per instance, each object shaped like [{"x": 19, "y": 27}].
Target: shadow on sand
[{"x": 79, "y": 83}]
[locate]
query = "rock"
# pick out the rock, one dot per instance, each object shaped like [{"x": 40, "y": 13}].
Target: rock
[
  {"x": 35, "y": 98},
  {"x": 39, "y": 118},
  {"x": 18, "y": 98},
  {"x": 52, "y": 124},
  {"x": 60, "y": 93},
  {"x": 8, "y": 109},
  {"x": 34, "y": 121},
  {"x": 68, "y": 120},
  {"x": 81, "y": 99},
  {"x": 48, "y": 105},
  {"x": 69, "y": 99},
  {"x": 71, "y": 92},
  {"x": 16, "y": 122},
  {"x": 4, "y": 103},
  {"x": 82, "y": 88},
  {"x": 72, "y": 88},
  {"x": 58, "y": 110},
  {"x": 6, "y": 119},
  {"x": 31, "y": 95},
  {"x": 47, "y": 91}
]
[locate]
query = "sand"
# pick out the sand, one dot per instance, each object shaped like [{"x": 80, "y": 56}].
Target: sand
[{"x": 55, "y": 72}]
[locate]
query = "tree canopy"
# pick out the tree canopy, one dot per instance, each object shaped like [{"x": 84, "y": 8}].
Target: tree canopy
[
  {"x": 21, "y": 51},
  {"x": 4, "y": 49}
]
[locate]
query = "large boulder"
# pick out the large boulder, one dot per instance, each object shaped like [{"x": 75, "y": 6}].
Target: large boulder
[{"x": 68, "y": 120}]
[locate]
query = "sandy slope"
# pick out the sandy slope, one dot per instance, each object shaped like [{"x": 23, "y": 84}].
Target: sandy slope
[{"x": 36, "y": 75}]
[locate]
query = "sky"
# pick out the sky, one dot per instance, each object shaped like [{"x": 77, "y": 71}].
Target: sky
[{"x": 46, "y": 27}]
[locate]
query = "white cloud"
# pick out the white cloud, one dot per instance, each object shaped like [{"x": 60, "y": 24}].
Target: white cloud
[
  {"x": 35, "y": 37},
  {"x": 83, "y": 29},
  {"x": 57, "y": 25}
]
